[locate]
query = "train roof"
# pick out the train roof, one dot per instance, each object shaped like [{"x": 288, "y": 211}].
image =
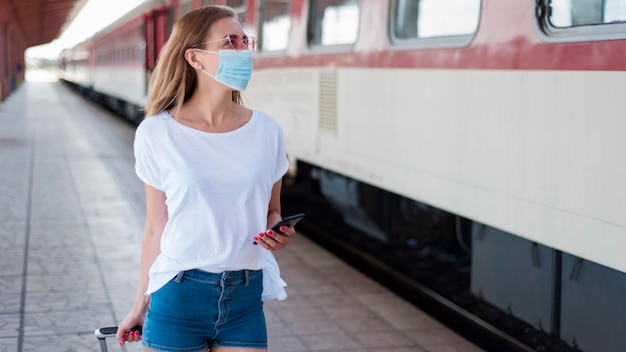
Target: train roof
[{"x": 129, "y": 16}]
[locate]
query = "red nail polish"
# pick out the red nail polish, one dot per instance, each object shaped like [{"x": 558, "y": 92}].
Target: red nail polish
[
  {"x": 270, "y": 232},
  {"x": 283, "y": 228},
  {"x": 256, "y": 238},
  {"x": 121, "y": 344},
  {"x": 261, "y": 235}
]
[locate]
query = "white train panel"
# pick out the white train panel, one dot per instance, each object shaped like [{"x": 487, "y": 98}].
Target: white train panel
[
  {"x": 125, "y": 83},
  {"x": 534, "y": 153}
]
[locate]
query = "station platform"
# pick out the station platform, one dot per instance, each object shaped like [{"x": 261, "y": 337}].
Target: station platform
[{"x": 71, "y": 221}]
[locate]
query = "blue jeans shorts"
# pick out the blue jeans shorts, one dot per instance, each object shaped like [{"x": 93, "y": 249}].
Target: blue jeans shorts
[{"x": 198, "y": 309}]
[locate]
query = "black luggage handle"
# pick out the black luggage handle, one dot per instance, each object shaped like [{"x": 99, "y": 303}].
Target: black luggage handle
[{"x": 103, "y": 333}]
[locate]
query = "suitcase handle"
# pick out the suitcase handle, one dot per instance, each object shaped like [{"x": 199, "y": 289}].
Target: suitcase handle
[{"x": 103, "y": 333}]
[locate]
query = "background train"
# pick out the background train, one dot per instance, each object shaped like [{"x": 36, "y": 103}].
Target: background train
[{"x": 470, "y": 148}]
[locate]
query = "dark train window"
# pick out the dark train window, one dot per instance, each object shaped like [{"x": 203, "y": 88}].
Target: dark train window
[
  {"x": 275, "y": 25},
  {"x": 333, "y": 22},
  {"x": 581, "y": 20},
  {"x": 434, "y": 22},
  {"x": 570, "y": 13},
  {"x": 240, "y": 7}
]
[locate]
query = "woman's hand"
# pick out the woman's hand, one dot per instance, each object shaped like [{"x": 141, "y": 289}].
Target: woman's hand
[
  {"x": 124, "y": 332},
  {"x": 273, "y": 240}
]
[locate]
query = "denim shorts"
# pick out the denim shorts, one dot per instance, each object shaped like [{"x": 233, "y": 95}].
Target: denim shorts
[{"x": 198, "y": 309}]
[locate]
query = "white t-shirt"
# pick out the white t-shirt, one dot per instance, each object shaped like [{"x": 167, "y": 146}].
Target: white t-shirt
[{"x": 217, "y": 187}]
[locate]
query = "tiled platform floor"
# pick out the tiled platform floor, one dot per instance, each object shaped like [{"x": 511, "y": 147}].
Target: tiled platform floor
[{"x": 71, "y": 218}]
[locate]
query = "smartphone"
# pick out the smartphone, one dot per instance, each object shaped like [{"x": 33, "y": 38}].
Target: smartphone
[{"x": 290, "y": 221}]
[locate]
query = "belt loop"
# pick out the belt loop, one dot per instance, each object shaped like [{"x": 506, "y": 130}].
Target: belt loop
[
  {"x": 179, "y": 276},
  {"x": 247, "y": 275}
]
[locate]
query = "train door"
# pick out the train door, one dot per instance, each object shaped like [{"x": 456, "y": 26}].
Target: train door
[{"x": 157, "y": 28}]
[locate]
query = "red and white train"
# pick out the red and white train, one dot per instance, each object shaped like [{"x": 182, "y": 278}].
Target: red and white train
[{"x": 507, "y": 114}]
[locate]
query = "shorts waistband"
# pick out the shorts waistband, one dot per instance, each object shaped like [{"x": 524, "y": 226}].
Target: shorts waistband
[{"x": 224, "y": 278}]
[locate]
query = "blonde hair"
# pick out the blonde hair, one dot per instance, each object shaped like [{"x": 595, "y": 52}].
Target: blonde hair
[{"x": 174, "y": 80}]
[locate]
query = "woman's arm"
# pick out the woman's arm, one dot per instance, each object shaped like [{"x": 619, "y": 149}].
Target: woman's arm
[
  {"x": 156, "y": 218},
  {"x": 273, "y": 212},
  {"x": 270, "y": 239}
]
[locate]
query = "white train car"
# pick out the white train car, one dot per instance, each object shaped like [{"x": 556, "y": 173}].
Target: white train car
[
  {"x": 115, "y": 64},
  {"x": 75, "y": 65}
]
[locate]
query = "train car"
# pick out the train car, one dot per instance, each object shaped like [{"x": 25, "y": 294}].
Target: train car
[
  {"x": 472, "y": 147},
  {"x": 114, "y": 65},
  {"x": 497, "y": 122},
  {"x": 75, "y": 65}
]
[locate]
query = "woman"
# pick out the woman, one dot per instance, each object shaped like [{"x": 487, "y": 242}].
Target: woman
[{"x": 212, "y": 171}]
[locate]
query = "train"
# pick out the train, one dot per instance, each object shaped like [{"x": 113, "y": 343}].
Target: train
[{"x": 470, "y": 147}]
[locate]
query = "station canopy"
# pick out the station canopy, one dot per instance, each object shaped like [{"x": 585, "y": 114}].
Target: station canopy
[{"x": 38, "y": 21}]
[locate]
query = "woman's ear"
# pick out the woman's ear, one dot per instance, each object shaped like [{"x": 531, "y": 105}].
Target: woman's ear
[{"x": 192, "y": 59}]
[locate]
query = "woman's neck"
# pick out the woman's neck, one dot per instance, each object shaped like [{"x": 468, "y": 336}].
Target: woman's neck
[{"x": 213, "y": 113}]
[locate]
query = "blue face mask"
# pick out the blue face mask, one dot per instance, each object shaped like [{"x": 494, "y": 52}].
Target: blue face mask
[{"x": 235, "y": 68}]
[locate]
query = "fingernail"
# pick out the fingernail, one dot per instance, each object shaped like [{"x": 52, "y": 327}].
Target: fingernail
[
  {"x": 270, "y": 232},
  {"x": 261, "y": 235},
  {"x": 121, "y": 344},
  {"x": 283, "y": 228},
  {"x": 256, "y": 238}
]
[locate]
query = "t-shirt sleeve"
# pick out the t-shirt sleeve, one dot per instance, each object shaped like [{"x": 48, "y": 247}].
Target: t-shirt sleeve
[
  {"x": 282, "y": 164},
  {"x": 146, "y": 166}
]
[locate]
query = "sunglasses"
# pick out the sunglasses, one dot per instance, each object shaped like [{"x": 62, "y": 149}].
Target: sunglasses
[{"x": 236, "y": 42}]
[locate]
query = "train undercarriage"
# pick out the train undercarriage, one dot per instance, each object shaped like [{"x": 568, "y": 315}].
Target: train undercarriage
[{"x": 497, "y": 289}]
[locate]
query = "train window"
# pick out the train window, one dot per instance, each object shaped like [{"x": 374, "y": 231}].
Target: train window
[
  {"x": 240, "y": 7},
  {"x": 3, "y": 47},
  {"x": 431, "y": 23},
  {"x": 570, "y": 13},
  {"x": 581, "y": 20},
  {"x": 208, "y": 2},
  {"x": 141, "y": 46},
  {"x": 275, "y": 25},
  {"x": 333, "y": 22},
  {"x": 184, "y": 7}
]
